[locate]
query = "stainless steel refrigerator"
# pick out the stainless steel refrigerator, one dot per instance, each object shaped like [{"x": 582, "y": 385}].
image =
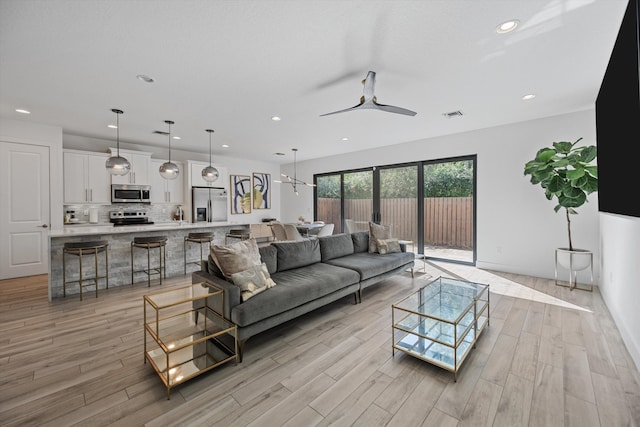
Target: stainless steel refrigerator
[{"x": 209, "y": 204}]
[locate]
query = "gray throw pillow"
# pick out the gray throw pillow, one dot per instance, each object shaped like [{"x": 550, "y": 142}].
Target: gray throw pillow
[
  {"x": 252, "y": 281},
  {"x": 376, "y": 232},
  {"x": 388, "y": 246},
  {"x": 236, "y": 257}
]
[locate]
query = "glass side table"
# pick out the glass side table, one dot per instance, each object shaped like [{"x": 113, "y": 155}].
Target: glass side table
[{"x": 178, "y": 342}]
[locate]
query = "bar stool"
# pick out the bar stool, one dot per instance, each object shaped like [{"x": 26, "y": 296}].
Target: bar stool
[
  {"x": 81, "y": 249},
  {"x": 195, "y": 238},
  {"x": 237, "y": 233},
  {"x": 149, "y": 243}
]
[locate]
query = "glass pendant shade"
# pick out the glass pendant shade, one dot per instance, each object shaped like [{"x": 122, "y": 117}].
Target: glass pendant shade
[
  {"x": 210, "y": 173},
  {"x": 169, "y": 170},
  {"x": 117, "y": 165}
]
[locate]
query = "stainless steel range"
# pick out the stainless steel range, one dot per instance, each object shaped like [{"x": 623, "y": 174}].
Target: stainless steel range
[{"x": 129, "y": 217}]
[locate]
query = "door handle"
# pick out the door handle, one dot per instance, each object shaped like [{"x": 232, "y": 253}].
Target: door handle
[{"x": 44, "y": 226}]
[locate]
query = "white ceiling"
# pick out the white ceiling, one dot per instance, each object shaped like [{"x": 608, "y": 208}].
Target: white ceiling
[{"x": 231, "y": 65}]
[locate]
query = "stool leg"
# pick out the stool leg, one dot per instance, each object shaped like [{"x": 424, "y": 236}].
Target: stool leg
[
  {"x": 131, "y": 264},
  {"x": 164, "y": 256},
  {"x": 185, "y": 255},
  {"x": 149, "y": 267},
  {"x": 200, "y": 252},
  {"x": 64, "y": 274},
  {"x": 80, "y": 281},
  {"x": 106, "y": 261},
  {"x": 95, "y": 257}
]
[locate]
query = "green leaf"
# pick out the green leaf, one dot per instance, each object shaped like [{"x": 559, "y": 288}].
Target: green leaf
[{"x": 563, "y": 147}]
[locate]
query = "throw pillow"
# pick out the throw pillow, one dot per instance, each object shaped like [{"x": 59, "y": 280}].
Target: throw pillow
[
  {"x": 236, "y": 257},
  {"x": 376, "y": 232},
  {"x": 252, "y": 281},
  {"x": 388, "y": 246}
]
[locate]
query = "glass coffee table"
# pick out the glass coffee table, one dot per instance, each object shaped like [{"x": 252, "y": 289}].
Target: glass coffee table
[{"x": 441, "y": 322}]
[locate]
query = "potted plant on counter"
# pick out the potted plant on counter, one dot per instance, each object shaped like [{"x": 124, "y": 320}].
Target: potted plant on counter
[{"x": 564, "y": 171}]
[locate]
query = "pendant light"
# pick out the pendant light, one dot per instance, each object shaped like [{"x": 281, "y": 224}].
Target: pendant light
[
  {"x": 117, "y": 165},
  {"x": 169, "y": 170},
  {"x": 293, "y": 180},
  {"x": 210, "y": 173}
]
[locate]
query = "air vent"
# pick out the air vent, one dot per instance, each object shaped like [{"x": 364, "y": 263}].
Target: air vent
[
  {"x": 159, "y": 132},
  {"x": 451, "y": 114}
]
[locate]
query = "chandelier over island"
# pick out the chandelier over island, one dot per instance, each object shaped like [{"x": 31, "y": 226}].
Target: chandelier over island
[
  {"x": 210, "y": 173},
  {"x": 169, "y": 170}
]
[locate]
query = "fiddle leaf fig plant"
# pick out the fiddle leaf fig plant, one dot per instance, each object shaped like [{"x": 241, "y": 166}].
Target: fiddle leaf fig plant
[{"x": 565, "y": 173}]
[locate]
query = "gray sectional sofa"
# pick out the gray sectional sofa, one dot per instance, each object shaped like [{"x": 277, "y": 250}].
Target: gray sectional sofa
[{"x": 308, "y": 274}]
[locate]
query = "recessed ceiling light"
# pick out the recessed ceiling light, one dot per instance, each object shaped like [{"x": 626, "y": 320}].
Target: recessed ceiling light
[
  {"x": 225, "y": 145},
  {"x": 144, "y": 78},
  {"x": 176, "y": 137},
  {"x": 112, "y": 126},
  {"x": 278, "y": 154},
  {"x": 528, "y": 97},
  {"x": 21, "y": 111},
  {"x": 507, "y": 26},
  {"x": 276, "y": 118},
  {"x": 345, "y": 139}
]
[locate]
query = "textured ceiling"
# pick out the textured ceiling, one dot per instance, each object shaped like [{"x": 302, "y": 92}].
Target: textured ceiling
[{"x": 231, "y": 65}]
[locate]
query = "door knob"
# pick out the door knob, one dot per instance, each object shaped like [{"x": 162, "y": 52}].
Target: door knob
[{"x": 44, "y": 226}]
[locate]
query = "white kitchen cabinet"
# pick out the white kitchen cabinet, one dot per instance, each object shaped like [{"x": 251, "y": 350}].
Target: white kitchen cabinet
[
  {"x": 166, "y": 191},
  {"x": 195, "y": 175},
  {"x": 140, "y": 167},
  {"x": 86, "y": 179}
]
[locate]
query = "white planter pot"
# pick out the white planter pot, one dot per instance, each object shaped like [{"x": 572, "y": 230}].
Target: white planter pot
[{"x": 574, "y": 260}]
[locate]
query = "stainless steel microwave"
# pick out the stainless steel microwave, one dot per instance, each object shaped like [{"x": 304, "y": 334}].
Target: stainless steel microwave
[{"x": 126, "y": 193}]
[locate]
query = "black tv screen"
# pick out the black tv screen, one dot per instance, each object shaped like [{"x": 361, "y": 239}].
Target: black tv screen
[{"x": 618, "y": 122}]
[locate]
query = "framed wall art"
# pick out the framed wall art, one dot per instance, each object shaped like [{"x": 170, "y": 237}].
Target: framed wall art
[
  {"x": 261, "y": 190},
  {"x": 240, "y": 194}
]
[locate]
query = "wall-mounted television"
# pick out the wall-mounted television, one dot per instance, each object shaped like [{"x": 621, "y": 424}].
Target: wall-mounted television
[{"x": 618, "y": 122}]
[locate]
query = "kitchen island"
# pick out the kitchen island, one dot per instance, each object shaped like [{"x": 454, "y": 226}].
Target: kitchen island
[{"x": 119, "y": 239}]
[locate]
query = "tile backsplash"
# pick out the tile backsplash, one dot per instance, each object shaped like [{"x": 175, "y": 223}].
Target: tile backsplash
[{"x": 156, "y": 213}]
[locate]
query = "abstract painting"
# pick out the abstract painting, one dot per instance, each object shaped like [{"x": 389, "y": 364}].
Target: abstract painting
[
  {"x": 240, "y": 194},
  {"x": 261, "y": 190}
]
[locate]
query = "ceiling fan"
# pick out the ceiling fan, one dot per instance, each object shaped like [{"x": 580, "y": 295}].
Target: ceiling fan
[{"x": 369, "y": 101}]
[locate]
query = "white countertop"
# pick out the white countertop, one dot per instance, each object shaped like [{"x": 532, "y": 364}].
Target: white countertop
[{"x": 95, "y": 229}]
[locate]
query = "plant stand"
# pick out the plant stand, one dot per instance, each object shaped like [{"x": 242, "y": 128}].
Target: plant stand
[{"x": 577, "y": 260}]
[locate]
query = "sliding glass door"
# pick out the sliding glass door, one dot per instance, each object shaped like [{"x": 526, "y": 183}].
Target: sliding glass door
[{"x": 430, "y": 203}]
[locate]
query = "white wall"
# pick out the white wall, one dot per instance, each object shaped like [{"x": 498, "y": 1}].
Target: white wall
[{"x": 620, "y": 278}]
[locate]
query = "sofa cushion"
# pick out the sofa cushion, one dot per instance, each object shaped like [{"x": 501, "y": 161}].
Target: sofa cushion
[
  {"x": 269, "y": 255},
  {"x": 388, "y": 246},
  {"x": 213, "y": 268},
  {"x": 377, "y": 231},
  {"x": 236, "y": 257},
  {"x": 252, "y": 281},
  {"x": 335, "y": 246},
  {"x": 360, "y": 241},
  {"x": 370, "y": 265},
  {"x": 297, "y": 254},
  {"x": 295, "y": 287}
]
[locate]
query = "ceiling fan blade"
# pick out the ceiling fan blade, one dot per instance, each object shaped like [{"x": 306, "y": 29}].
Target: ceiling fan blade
[
  {"x": 393, "y": 109},
  {"x": 355, "y": 107},
  {"x": 368, "y": 100}
]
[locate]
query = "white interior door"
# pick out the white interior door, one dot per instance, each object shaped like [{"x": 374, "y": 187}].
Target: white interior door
[{"x": 24, "y": 208}]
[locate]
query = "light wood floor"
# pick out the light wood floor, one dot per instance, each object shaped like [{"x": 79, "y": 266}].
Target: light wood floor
[{"x": 550, "y": 357}]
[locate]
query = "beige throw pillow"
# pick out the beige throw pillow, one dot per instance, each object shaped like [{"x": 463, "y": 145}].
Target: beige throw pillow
[
  {"x": 376, "y": 232},
  {"x": 252, "y": 281},
  {"x": 236, "y": 257},
  {"x": 388, "y": 246}
]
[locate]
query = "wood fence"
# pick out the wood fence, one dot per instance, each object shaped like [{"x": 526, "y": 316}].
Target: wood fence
[{"x": 448, "y": 221}]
